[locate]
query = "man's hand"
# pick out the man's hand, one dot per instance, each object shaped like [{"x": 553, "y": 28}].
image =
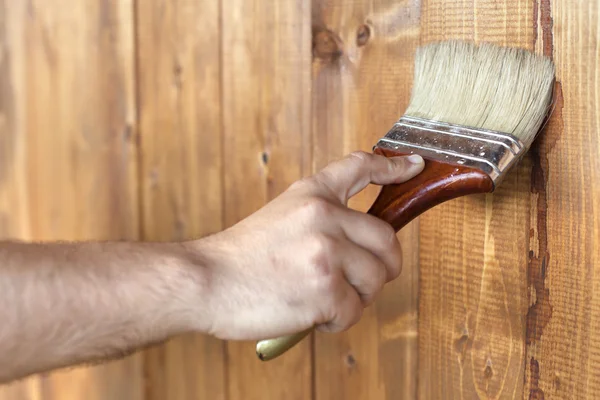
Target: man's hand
[{"x": 305, "y": 259}]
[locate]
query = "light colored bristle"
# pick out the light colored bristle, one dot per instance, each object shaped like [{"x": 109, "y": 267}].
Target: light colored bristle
[{"x": 483, "y": 86}]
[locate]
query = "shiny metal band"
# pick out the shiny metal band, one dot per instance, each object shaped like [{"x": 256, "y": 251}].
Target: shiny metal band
[{"x": 492, "y": 152}]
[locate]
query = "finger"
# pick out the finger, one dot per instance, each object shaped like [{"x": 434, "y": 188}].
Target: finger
[
  {"x": 365, "y": 272},
  {"x": 376, "y": 237},
  {"x": 368, "y": 232},
  {"x": 345, "y": 313},
  {"x": 347, "y": 177}
]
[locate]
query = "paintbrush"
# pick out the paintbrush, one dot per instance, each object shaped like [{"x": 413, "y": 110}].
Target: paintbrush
[{"x": 474, "y": 112}]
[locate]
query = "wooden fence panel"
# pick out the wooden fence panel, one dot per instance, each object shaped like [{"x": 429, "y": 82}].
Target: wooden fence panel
[
  {"x": 362, "y": 73},
  {"x": 563, "y": 344},
  {"x": 266, "y": 109},
  {"x": 473, "y": 287},
  {"x": 232, "y": 109},
  {"x": 179, "y": 69},
  {"x": 68, "y": 157}
]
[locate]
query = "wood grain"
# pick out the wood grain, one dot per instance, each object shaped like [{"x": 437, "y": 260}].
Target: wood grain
[
  {"x": 563, "y": 345},
  {"x": 362, "y": 69},
  {"x": 229, "y": 116},
  {"x": 266, "y": 111},
  {"x": 473, "y": 291},
  {"x": 178, "y": 57},
  {"x": 68, "y": 157},
  {"x": 504, "y": 22}
]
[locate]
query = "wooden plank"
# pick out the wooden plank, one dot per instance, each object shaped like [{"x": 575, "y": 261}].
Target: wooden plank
[
  {"x": 180, "y": 131},
  {"x": 266, "y": 114},
  {"x": 563, "y": 346},
  {"x": 362, "y": 73},
  {"x": 473, "y": 251},
  {"x": 67, "y": 118}
]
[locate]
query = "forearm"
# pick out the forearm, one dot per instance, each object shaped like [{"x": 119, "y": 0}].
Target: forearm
[
  {"x": 66, "y": 304},
  {"x": 303, "y": 260}
]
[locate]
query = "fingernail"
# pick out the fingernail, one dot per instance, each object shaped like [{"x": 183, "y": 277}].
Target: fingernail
[{"x": 415, "y": 159}]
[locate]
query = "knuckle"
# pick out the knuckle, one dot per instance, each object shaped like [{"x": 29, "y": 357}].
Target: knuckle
[
  {"x": 367, "y": 300},
  {"x": 297, "y": 184},
  {"x": 349, "y": 311},
  {"x": 321, "y": 271},
  {"x": 389, "y": 235},
  {"x": 343, "y": 313},
  {"x": 302, "y": 183},
  {"x": 377, "y": 281},
  {"x": 390, "y": 239},
  {"x": 326, "y": 285},
  {"x": 395, "y": 272},
  {"x": 400, "y": 163},
  {"x": 361, "y": 157},
  {"x": 320, "y": 261},
  {"x": 354, "y": 315},
  {"x": 318, "y": 208},
  {"x": 394, "y": 268},
  {"x": 381, "y": 278},
  {"x": 358, "y": 313},
  {"x": 390, "y": 246},
  {"x": 323, "y": 180},
  {"x": 324, "y": 244},
  {"x": 320, "y": 267}
]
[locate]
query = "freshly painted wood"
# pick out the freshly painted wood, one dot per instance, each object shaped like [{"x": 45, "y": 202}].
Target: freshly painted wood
[
  {"x": 362, "y": 73},
  {"x": 266, "y": 111},
  {"x": 473, "y": 297},
  {"x": 181, "y": 147},
  {"x": 563, "y": 344},
  {"x": 67, "y": 150}
]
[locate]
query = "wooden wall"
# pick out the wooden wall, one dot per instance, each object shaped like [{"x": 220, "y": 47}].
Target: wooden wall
[{"x": 165, "y": 120}]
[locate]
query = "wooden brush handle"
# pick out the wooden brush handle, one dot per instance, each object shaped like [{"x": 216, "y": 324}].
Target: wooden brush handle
[
  {"x": 398, "y": 205},
  {"x": 439, "y": 182}
]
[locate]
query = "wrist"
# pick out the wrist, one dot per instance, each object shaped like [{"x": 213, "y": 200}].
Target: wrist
[
  {"x": 201, "y": 260},
  {"x": 184, "y": 277},
  {"x": 210, "y": 259}
]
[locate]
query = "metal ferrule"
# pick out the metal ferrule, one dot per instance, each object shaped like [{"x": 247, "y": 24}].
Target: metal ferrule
[{"x": 489, "y": 151}]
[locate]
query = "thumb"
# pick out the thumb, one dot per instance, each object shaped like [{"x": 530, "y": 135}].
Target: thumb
[{"x": 350, "y": 175}]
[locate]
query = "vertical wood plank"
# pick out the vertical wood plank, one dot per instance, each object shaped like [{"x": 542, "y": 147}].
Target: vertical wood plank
[
  {"x": 266, "y": 111},
  {"x": 362, "y": 72},
  {"x": 180, "y": 139},
  {"x": 504, "y": 22},
  {"x": 473, "y": 251},
  {"x": 564, "y": 281},
  {"x": 68, "y": 167}
]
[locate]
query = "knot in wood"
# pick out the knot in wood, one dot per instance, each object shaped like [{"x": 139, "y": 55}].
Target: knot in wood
[
  {"x": 327, "y": 45},
  {"x": 363, "y": 34},
  {"x": 350, "y": 361},
  {"x": 488, "y": 372},
  {"x": 265, "y": 158}
]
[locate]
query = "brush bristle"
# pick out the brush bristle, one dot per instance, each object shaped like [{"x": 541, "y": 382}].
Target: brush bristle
[{"x": 483, "y": 86}]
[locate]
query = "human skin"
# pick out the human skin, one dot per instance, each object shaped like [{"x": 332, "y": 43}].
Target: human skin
[{"x": 304, "y": 259}]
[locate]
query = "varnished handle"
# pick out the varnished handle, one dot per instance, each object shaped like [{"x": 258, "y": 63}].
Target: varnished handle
[
  {"x": 398, "y": 205},
  {"x": 438, "y": 182}
]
